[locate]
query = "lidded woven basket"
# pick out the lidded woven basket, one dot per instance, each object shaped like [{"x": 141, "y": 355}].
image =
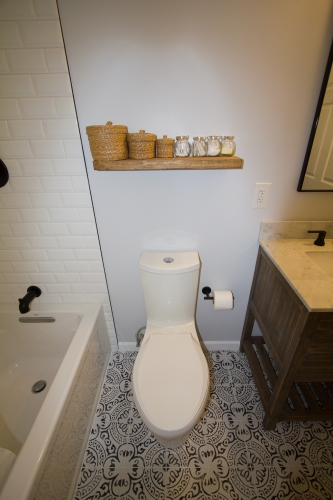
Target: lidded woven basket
[
  {"x": 108, "y": 142},
  {"x": 141, "y": 145},
  {"x": 164, "y": 147}
]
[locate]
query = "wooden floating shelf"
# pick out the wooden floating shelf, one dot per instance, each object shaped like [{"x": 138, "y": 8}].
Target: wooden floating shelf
[{"x": 189, "y": 163}]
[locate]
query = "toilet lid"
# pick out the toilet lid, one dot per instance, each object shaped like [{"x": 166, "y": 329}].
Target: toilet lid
[{"x": 170, "y": 379}]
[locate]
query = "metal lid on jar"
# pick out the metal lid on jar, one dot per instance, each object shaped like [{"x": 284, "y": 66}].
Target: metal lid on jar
[
  {"x": 213, "y": 137},
  {"x": 180, "y": 137},
  {"x": 230, "y": 137},
  {"x": 199, "y": 138}
]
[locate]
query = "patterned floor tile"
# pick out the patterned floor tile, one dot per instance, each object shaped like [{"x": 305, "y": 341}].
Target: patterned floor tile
[{"x": 227, "y": 456}]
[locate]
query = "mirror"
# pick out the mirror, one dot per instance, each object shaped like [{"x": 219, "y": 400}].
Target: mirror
[{"x": 317, "y": 171}]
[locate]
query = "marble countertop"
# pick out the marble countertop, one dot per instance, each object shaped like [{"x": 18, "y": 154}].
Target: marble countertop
[{"x": 312, "y": 285}]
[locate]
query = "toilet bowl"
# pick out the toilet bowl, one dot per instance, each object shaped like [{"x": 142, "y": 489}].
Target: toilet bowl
[{"x": 170, "y": 375}]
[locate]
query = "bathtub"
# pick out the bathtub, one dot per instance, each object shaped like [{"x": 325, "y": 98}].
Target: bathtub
[{"x": 43, "y": 434}]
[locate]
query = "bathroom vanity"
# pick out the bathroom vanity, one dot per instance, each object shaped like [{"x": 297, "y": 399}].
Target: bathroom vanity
[{"x": 291, "y": 300}]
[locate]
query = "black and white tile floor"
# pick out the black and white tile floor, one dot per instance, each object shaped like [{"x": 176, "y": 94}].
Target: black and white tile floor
[{"x": 228, "y": 455}]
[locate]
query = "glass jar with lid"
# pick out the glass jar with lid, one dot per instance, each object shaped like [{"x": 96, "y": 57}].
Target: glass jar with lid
[
  {"x": 182, "y": 146},
  {"x": 213, "y": 145},
  {"x": 199, "y": 146},
  {"x": 228, "y": 145}
]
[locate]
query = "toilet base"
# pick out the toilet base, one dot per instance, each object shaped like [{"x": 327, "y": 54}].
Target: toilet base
[{"x": 172, "y": 443}]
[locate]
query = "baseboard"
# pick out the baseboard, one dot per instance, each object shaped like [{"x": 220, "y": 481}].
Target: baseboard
[{"x": 218, "y": 345}]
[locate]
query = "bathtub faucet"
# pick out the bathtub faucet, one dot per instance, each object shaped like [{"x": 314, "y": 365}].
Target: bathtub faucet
[{"x": 33, "y": 292}]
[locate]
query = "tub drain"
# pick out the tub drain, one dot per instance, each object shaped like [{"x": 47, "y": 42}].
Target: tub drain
[{"x": 38, "y": 386}]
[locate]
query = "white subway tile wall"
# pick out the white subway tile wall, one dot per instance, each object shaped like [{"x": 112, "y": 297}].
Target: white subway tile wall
[{"x": 48, "y": 234}]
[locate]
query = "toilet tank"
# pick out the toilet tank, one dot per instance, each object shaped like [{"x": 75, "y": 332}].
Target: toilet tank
[{"x": 170, "y": 286}]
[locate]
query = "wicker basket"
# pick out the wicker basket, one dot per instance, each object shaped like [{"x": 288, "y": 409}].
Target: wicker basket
[
  {"x": 141, "y": 146},
  {"x": 108, "y": 142},
  {"x": 164, "y": 147}
]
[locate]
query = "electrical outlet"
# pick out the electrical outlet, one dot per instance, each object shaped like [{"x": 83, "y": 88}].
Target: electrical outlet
[{"x": 261, "y": 195}]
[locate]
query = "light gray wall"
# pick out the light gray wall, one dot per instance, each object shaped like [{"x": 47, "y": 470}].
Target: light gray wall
[{"x": 251, "y": 68}]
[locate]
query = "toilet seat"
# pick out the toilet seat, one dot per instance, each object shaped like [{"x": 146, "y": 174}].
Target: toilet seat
[{"x": 170, "y": 383}]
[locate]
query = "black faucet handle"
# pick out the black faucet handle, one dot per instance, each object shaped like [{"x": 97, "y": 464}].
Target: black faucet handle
[{"x": 320, "y": 241}]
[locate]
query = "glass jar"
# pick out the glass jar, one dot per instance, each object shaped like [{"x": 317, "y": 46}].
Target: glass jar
[
  {"x": 213, "y": 145},
  {"x": 182, "y": 146},
  {"x": 228, "y": 145},
  {"x": 199, "y": 146}
]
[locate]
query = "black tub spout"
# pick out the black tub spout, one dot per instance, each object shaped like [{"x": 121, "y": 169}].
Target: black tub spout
[{"x": 32, "y": 293}]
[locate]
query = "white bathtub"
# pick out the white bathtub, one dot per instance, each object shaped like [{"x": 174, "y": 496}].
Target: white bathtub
[{"x": 47, "y": 431}]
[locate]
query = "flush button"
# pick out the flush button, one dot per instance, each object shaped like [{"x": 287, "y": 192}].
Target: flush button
[{"x": 168, "y": 260}]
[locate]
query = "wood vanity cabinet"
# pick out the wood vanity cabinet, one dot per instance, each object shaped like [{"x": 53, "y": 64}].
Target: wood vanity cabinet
[{"x": 292, "y": 361}]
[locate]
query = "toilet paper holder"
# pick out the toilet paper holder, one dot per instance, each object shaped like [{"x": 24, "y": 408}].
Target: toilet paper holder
[{"x": 206, "y": 291}]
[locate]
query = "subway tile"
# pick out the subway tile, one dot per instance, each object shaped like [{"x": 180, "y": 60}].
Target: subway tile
[
  {"x": 43, "y": 242},
  {"x": 58, "y": 184},
  {"x": 26, "y": 184},
  {"x": 96, "y": 298},
  {"x": 16, "y": 86},
  {"x": 61, "y": 255},
  {"x": 87, "y": 254},
  {"x": 61, "y": 128},
  {"x": 15, "y": 242},
  {"x": 25, "y": 229},
  {"x": 15, "y": 200},
  {"x": 53, "y": 85},
  {"x": 45, "y": 200},
  {"x": 15, "y": 149},
  {"x": 7, "y": 299},
  {"x": 96, "y": 266},
  {"x": 34, "y": 215},
  {"x": 63, "y": 214},
  {"x": 86, "y": 215},
  {"x": 36, "y": 167},
  {"x": 101, "y": 288},
  {"x": 106, "y": 307},
  {"x": 9, "y": 215},
  {"x": 5, "y": 230},
  {"x": 4, "y": 68},
  {"x": 76, "y": 266},
  {"x": 6, "y": 267},
  {"x": 67, "y": 277},
  {"x": 84, "y": 229},
  {"x": 54, "y": 229},
  {"x": 70, "y": 242},
  {"x": 4, "y": 130},
  {"x": 48, "y": 148},
  {"x": 6, "y": 189},
  {"x": 34, "y": 255},
  {"x": 24, "y": 267},
  {"x": 91, "y": 242},
  {"x": 50, "y": 298},
  {"x": 73, "y": 148},
  {"x": 65, "y": 107},
  {"x": 10, "y": 255},
  {"x": 26, "y": 129},
  {"x": 16, "y": 278},
  {"x": 42, "y": 277},
  {"x": 10, "y": 109},
  {"x": 51, "y": 267},
  {"x": 27, "y": 61},
  {"x": 46, "y": 9},
  {"x": 41, "y": 33},
  {"x": 39, "y": 107},
  {"x": 10, "y": 10},
  {"x": 57, "y": 288},
  {"x": 13, "y": 167},
  {"x": 9, "y": 288},
  {"x": 82, "y": 288},
  {"x": 76, "y": 200},
  {"x": 56, "y": 60},
  {"x": 69, "y": 166},
  {"x": 10, "y": 35},
  {"x": 92, "y": 277},
  {"x": 80, "y": 183},
  {"x": 73, "y": 298}
]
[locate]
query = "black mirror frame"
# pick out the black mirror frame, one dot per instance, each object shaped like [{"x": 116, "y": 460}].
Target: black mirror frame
[{"x": 314, "y": 126}]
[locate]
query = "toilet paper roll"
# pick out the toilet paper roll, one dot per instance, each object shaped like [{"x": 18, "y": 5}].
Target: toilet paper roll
[{"x": 223, "y": 299}]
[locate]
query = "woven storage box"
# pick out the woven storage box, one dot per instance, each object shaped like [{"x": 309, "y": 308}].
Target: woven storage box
[
  {"x": 108, "y": 142},
  {"x": 164, "y": 147},
  {"x": 141, "y": 146}
]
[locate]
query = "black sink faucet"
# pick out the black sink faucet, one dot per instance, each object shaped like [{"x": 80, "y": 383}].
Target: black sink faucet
[
  {"x": 32, "y": 293},
  {"x": 320, "y": 241}
]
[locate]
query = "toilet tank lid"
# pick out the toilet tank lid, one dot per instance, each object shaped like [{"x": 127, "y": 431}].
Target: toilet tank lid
[{"x": 169, "y": 262}]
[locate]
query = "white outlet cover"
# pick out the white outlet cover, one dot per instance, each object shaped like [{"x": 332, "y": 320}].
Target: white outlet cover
[{"x": 261, "y": 194}]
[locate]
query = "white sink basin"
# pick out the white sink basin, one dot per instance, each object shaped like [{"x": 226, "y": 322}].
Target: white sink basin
[{"x": 324, "y": 260}]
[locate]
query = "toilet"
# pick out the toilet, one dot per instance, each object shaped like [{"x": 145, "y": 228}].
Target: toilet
[{"x": 170, "y": 375}]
